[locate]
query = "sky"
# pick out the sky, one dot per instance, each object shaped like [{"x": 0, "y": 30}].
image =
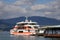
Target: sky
[{"x": 17, "y": 8}]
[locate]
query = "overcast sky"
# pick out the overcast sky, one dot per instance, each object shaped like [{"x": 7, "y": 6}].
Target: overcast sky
[{"x": 17, "y": 8}]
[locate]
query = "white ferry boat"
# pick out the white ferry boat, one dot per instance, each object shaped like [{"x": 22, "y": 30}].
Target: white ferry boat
[{"x": 25, "y": 28}]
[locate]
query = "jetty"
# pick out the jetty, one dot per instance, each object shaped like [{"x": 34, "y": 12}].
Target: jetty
[{"x": 50, "y": 31}]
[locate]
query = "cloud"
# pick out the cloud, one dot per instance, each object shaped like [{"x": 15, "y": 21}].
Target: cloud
[
  {"x": 51, "y": 10},
  {"x": 29, "y": 8},
  {"x": 15, "y": 9},
  {"x": 10, "y": 11},
  {"x": 38, "y": 7},
  {"x": 24, "y": 2},
  {"x": 54, "y": 8}
]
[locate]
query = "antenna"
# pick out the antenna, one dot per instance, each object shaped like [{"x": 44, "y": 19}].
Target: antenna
[{"x": 26, "y": 19}]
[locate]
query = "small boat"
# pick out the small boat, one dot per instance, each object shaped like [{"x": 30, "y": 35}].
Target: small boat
[{"x": 25, "y": 28}]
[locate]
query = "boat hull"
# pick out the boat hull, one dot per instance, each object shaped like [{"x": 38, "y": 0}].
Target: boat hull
[{"x": 25, "y": 33}]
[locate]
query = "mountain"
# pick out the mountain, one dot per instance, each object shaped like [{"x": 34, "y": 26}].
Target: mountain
[{"x": 7, "y": 24}]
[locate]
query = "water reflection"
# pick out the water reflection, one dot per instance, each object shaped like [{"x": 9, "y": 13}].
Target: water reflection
[
  {"x": 23, "y": 37},
  {"x": 29, "y": 38},
  {"x": 7, "y": 36}
]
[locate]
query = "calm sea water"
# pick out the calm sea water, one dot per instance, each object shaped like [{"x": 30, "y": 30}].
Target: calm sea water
[{"x": 6, "y": 36}]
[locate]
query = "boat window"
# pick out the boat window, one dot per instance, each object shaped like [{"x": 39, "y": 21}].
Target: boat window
[
  {"x": 35, "y": 27},
  {"x": 20, "y": 31},
  {"x": 22, "y": 27},
  {"x": 23, "y": 24},
  {"x": 18, "y": 25},
  {"x": 29, "y": 27},
  {"x": 32, "y": 23}
]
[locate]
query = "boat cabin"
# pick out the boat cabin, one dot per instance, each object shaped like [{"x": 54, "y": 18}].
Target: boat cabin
[{"x": 24, "y": 25}]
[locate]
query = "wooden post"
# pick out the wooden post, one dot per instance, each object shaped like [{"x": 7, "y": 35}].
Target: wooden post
[{"x": 52, "y": 31}]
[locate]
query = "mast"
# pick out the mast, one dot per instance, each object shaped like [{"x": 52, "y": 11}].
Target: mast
[{"x": 26, "y": 19}]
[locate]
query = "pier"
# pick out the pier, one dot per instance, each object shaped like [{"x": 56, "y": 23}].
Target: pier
[{"x": 51, "y": 31}]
